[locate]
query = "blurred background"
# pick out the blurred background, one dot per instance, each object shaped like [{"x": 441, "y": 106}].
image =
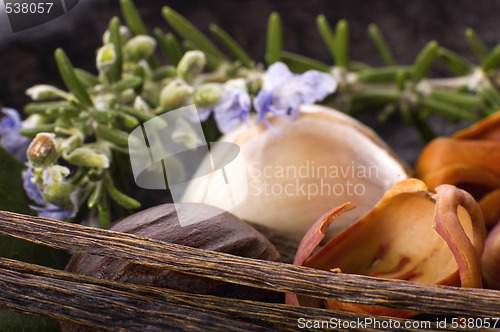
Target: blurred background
[{"x": 26, "y": 57}]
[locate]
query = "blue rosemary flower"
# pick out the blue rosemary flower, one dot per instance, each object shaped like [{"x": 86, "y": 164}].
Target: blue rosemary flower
[
  {"x": 232, "y": 109},
  {"x": 283, "y": 91},
  {"x": 34, "y": 192},
  {"x": 10, "y": 138}
]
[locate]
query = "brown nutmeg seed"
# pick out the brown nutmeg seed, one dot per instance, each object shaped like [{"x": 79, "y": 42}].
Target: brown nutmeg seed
[{"x": 223, "y": 233}]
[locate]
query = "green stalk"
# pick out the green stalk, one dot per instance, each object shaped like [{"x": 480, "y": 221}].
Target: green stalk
[
  {"x": 133, "y": 18},
  {"x": 445, "y": 109},
  {"x": 231, "y": 45},
  {"x": 342, "y": 44},
  {"x": 120, "y": 198},
  {"x": 492, "y": 60},
  {"x": 95, "y": 196},
  {"x": 103, "y": 212},
  {"x": 381, "y": 45},
  {"x": 113, "y": 135},
  {"x": 299, "y": 63},
  {"x": 424, "y": 60},
  {"x": 379, "y": 75},
  {"x": 326, "y": 33},
  {"x": 70, "y": 79},
  {"x": 52, "y": 108},
  {"x": 454, "y": 62},
  {"x": 458, "y": 99},
  {"x": 127, "y": 83},
  {"x": 476, "y": 44},
  {"x": 187, "y": 30},
  {"x": 114, "y": 74},
  {"x": 31, "y": 132},
  {"x": 274, "y": 42},
  {"x": 86, "y": 78}
]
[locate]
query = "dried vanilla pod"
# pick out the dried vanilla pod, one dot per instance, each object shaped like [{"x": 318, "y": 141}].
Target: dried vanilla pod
[
  {"x": 410, "y": 234},
  {"x": 223, "y": 233}
]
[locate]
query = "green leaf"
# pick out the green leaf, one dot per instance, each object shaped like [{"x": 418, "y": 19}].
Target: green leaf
[
  {"x": 169, "y": 45},
  {"x": 127, "y": 83},
  {"x": 381, "y": 45},
  {"x": 492, "y": 60},
  {"x": 450, "y": 111},
  {"x": 114, "y": 73},
  {"x": 231, "y": 45},
  {"x": 476, "y": 44},
  {"x": 13, "y": 199},
  {"x": 31, "y": 132},
  {"x": 326, "y": 33},
  {"x": 132, "y": 18},
  {"x": 300, "y": 64},
  {"x": 86, "y": 78},
  {"x": 378, "y": 75},
  {"x": 190, "y": 32},
  {"x": 455, "y": 98},
  {"x": 342, "y": 44},
  {"x": 274, "y": 39},
  {"x": 117, "y": 136},
  {"x": 454, "y": 62},
  {"x": 424, "y": 60},
  {"x": 70, "y": 79},
  {"x": 120, "y": 198}
]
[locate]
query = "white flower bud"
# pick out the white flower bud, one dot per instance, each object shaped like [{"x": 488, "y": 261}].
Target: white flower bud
[
  {"x": 44, "y": 92},
  {"x": 42, "y": 151},
  {"x": 191, "y": 65},
  {"x": 85, "y": 156},
  {"x": 139, "y": 47},
  {"x": 175, "y": 95},
  {"x": 106, "y": 56},
  {"x": 208, "y": 95}
]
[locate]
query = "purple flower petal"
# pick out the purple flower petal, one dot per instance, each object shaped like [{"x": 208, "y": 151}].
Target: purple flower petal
[
  {"x": 232, "y": 109},
  {"x": 32, "y": 189},
  {"x": 44, "y": 209},
  {"x": 315, "y": 86},
  {"x": 283, "y": 92},
  {"x": 52, "y": 211},
  {"x": 10, "y": 138}
]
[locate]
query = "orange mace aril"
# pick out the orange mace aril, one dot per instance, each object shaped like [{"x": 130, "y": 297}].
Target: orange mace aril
[
  {"x": 469, "y": 160},
  {"x": 410, "y": 234}
]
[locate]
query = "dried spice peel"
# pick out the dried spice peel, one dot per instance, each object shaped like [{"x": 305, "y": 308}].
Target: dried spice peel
[
  {"x": 410, "y": 234},
  {"x": 468, "y": 160}
]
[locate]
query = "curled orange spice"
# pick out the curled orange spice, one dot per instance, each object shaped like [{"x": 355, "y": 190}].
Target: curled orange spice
[
  {"x": 470, "y": 160},
  {"x": 411, "y": 234}
]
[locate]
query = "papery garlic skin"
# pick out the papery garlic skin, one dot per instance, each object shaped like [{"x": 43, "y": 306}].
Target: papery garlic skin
[{"x": 323, "y": 158}]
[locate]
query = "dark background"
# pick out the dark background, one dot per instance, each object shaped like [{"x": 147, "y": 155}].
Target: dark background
[{"x": 26, "y": 58}]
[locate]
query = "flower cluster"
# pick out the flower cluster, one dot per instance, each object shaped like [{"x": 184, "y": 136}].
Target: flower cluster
[
  {"x": 10, "y": 138},
  {"x": 281, "y": 95},
  {"x": 283, "y": 91},
  {"x": 44, "y": 186},
  {"x": 91, "y": 118}
]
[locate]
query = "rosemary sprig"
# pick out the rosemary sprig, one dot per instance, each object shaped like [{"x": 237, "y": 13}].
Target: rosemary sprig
[{"x": 133, "y": 86}]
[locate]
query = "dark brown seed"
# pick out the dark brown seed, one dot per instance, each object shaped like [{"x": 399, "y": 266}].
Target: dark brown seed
[{"x": 223, "y": 233}]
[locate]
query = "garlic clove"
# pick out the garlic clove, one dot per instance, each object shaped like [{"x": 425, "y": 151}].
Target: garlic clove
[
  {"x": 321, "y": 159},
  {"x": 406, "y": 236}
]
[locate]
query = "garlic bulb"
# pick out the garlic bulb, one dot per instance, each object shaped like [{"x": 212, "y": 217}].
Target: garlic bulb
[{"x": 299, "y": 170}]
